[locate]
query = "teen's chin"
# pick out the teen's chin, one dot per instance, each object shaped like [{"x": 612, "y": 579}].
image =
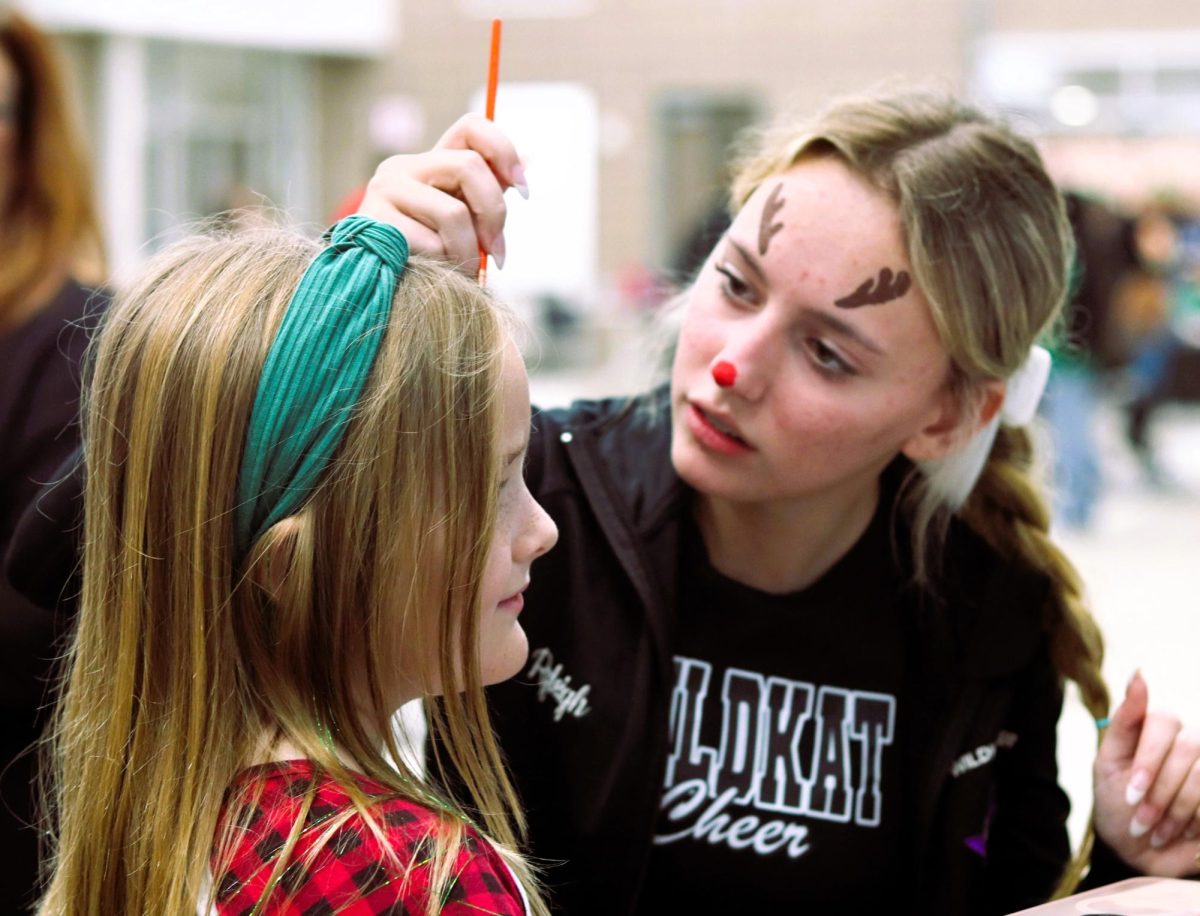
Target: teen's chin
[
  {"x": 699, "y": 469},
  {"x": 714, "y": 478}
]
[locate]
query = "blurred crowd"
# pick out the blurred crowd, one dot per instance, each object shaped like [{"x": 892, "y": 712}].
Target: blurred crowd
[{"x": 1131, "y": 337}]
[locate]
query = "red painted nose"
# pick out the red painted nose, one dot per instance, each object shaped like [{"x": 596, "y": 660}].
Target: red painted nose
[{"x": 724, "y": 374}]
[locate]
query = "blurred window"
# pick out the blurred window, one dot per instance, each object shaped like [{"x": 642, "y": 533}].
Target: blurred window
[
  {"x": 1137, "y": 83},
  {"x": 229, "y": 129},
  {"x": 1178, "y": 80},
  {"x": 1101, "y": 82}
]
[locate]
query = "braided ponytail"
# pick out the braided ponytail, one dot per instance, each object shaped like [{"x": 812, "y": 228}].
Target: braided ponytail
[{"x": 1007, "y": 510}]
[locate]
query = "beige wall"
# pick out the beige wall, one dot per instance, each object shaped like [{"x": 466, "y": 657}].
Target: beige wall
[
  {"x": 345, "y": 88},
  {"x": 786, "y": 52}
]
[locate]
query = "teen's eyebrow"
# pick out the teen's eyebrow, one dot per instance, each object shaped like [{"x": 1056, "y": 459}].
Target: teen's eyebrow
[
  {"x": 835, "y": 324},
  {"x": 750, "y": 260}
]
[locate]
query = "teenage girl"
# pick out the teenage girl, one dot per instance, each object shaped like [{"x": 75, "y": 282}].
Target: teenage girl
[{"x": 805, "y": 641}]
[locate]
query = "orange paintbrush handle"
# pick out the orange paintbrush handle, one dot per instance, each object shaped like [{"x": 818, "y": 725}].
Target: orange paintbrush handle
[{"x": 490, "y": 111}]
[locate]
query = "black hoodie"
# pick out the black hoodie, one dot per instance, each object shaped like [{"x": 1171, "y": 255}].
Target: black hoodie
[{"x": 585, "y": 724}]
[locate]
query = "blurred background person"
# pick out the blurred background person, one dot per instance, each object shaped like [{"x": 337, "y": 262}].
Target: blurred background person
[
  {"x": 51, "y": 257},
  {"x": 1151, "y": 297},
  {"x": 1123, "y": 343},
  {"x": 1102, "y": 260}
]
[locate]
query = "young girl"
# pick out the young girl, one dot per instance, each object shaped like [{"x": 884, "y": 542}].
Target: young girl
[
  {"x": 804, "y": 644},
  {"x": 304, "y": 507}
]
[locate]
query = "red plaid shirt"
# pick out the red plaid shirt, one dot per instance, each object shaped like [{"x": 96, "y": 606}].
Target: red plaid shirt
[{"x": 351, "y": 875}]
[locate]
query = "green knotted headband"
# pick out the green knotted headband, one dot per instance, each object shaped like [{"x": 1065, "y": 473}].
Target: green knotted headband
[{"x": 316, "y": 370}]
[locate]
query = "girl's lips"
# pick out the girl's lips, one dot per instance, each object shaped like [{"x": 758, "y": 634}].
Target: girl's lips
[
  {"x": 712, "y": 438},
  {"x": 514, "y": 603}
]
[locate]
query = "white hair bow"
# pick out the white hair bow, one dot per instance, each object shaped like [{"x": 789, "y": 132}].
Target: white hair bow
[{"x": 953, "y": 476}]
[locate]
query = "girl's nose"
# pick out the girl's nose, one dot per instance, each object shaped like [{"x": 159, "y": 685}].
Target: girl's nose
[
  {"x": 542, "y": 532},
  {"x": 744, "y": 364}
]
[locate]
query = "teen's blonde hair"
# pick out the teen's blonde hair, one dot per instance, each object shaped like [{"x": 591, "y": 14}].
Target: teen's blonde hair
[
  {"x": 990, "y": 247},
  {"x": 188, "y": 662},
  {"x": 48, "y": 221}
]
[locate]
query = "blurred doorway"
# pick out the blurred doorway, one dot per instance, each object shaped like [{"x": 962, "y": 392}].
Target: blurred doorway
[{"x": 694, "y": 136}]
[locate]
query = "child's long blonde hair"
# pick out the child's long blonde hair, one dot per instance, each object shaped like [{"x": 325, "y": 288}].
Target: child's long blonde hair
[
  {"x": 990, "y": 247},
  {"x": 189, "y": 663}
]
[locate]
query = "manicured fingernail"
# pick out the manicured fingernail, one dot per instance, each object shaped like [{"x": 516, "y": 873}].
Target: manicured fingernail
[
  {"x": 519, "y": 182},
  {"x": 1137, "y": 828},
  {"x": 1136, "y": 790},
  {"x": 1163, "y": 835},
  {"x": 498, "y": 251}
]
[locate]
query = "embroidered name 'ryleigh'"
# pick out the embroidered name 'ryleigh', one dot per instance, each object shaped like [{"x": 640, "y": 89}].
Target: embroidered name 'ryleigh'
[{"x": 552, "y": 683}]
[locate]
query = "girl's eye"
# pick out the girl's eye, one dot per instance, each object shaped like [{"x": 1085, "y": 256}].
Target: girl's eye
[
  {"x": 733, "y": 285},
  {"x": 828, "y": 360}
]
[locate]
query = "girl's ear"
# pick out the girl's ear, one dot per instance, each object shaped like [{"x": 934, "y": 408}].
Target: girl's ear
[
  {"x": 954, "y": 422},
  {"x": 275, "y": 554}
]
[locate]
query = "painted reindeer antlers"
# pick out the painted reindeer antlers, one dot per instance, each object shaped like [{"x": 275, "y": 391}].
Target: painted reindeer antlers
[
  {"x": 767, "y": 228},
  {"x": 873, "y": 293}
]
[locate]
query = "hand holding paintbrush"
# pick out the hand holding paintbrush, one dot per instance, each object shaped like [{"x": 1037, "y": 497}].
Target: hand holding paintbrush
[{"x": 449, "y": 201}]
